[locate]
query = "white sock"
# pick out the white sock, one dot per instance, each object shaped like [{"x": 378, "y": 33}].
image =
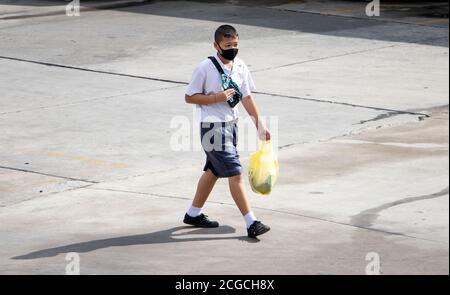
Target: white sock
[
  {"x": 249, "y": 218},
  {"x": 194, "y": 211}
]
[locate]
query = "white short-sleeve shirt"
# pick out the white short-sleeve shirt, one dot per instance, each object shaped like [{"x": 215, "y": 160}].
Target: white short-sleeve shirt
[{"x": 206, "y": 80}]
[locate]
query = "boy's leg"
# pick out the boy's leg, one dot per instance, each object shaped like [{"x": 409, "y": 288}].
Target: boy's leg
[
  {"x": 194, "y": 215},
  {"x": 237, "y": 189},
  {"x": 204, "y": 188}
]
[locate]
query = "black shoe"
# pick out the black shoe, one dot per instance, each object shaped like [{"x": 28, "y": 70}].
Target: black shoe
[
  {"x": 200, "y": 221},
  {"x": 257, "y": 228}
]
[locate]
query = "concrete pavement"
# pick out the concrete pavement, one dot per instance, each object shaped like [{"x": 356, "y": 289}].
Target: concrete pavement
[{"x": 86, "y": 164}]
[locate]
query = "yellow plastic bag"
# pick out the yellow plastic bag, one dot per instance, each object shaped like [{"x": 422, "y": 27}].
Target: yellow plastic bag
[{"x": 263, "y": 169}]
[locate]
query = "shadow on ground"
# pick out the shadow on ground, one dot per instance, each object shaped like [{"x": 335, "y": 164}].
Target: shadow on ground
[
  {"x": 158, "y": 237},
  {"x": 257, "y": 13}
]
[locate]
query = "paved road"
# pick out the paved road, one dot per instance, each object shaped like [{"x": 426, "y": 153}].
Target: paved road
[{"x": 89, "y": 106}]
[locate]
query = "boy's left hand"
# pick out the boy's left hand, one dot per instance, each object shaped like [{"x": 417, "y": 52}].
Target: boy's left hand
[{"x": 264, "y": 134}]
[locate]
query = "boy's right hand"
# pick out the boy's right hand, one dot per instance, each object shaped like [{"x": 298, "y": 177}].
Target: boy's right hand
[{"x": 225, "y": 95}]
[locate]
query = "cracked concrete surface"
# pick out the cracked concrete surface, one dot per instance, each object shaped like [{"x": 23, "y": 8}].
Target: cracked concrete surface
[
  {"x": 368, "y": 217},
  {"x": 86, "y": 165}
]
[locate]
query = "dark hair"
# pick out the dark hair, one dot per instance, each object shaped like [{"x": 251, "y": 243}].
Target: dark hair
[{"x": 225, "y": 31}]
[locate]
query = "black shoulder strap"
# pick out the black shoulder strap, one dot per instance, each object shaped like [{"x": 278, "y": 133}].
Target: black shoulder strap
[{"x": 216, "y": 63}]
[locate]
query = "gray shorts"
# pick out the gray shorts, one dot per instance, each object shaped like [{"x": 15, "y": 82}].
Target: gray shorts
[{"x": 219, "y": 141}]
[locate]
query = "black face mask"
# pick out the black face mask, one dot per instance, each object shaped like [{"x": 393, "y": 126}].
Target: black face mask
[{"x": 229, "y": 54}]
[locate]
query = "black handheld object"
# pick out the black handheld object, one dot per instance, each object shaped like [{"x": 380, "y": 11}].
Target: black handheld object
[
  {"x": 231, "y": 85},
  {"x": 237, "y": 95}
]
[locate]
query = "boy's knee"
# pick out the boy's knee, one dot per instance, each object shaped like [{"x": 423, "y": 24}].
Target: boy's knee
[{"x": 236, "y": 178}]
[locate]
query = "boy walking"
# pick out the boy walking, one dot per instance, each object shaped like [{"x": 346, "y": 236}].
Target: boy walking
[{"x": 217, "y": 84}]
